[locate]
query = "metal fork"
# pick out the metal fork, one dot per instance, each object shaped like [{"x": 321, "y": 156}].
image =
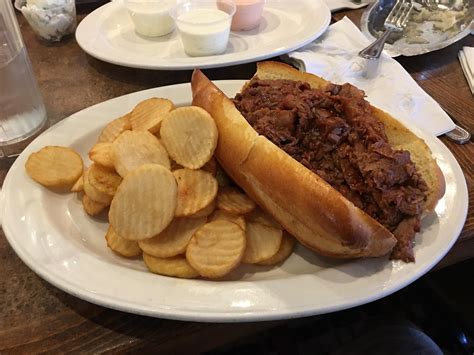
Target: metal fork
[
  {"x": 396, "y": 21},
  {"x": 430, "y": 4}
]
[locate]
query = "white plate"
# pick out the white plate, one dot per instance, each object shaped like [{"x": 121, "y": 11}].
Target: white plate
[
  {"x": 56, "y": 239},
  {"x": 108, "y": 34}
]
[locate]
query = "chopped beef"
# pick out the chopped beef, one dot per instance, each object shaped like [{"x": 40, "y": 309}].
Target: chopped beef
[{"x": 334, "y": 133}]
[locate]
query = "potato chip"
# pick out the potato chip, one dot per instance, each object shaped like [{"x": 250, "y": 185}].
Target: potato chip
[
  {"x": 54, "y": 166},
  {"x": 221, "y": 214},
  {"x": 176, "y": 266},
  {"x": 100, "y": 154},
  {"x": 260, "y": 216},
  {"x": 263, "y": 242},
  {"x": 122, "y": 246},
  {"x": 174, "y": 239},
  {"x": 206, "y": 211},
  {"x": 92, "y": 207},
  {"x": 286, "y": 248},
  {"x": 133, "y": 149},
  {"x": 79, "y": 185},
  {"x": 148, "y": 114},
  {"x": 196, "y": 190},
  {"x": 104, "y": 180},
  {"x": 216, "y": 248},
  {"x": 93, "y": 193},
  {"x": 190, "y": 136},
  {"x": 114, "y": 129},
  {"x": 144, "y": 203},
  {"x": 233, "y": 201}
]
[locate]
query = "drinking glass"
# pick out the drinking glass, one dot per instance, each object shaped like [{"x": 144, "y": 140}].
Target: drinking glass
[{"x": 22, "y": 112}]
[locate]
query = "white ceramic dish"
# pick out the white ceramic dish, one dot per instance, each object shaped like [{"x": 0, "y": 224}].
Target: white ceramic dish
[
  {"x": 108, "y": 34},
  {"x": 56, "y": 239}
]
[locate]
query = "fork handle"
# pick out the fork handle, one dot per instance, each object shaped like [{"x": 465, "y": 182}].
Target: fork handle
[{"x": 374, "y": 50}]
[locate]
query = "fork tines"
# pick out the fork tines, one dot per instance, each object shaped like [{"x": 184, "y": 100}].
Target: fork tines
[{"x": 398, "y": 16}]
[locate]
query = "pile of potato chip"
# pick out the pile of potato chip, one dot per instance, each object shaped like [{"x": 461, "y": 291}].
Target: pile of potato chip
[{"x": 168, "y": 200}]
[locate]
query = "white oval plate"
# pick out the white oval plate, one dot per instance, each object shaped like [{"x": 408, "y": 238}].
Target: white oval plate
[
  {"x": 108, "y": 34},
  {"x": 51, "y": 233}
]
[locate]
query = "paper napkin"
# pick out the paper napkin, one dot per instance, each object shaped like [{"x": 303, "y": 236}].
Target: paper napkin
[{"x": 466, "y": 57}]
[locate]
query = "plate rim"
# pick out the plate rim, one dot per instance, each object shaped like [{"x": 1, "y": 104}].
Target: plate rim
[
  {"x": 82, "y": 40},
  {"x": 236, "y": 315}
]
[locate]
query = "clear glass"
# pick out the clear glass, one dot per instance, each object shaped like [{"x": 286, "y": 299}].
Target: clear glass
[
  {"x": 204, "y": 25},
  {"x": 151, "y": 17},
  {"x": 22, "y": 112},
  {"x": 50, "y": 19}
]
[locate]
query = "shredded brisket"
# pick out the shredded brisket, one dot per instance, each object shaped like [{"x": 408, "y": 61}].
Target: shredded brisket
[{"x": 335, "y": 134}]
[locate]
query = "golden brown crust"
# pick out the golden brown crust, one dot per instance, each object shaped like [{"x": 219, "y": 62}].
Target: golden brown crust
[{"x": 303, "y": 203}]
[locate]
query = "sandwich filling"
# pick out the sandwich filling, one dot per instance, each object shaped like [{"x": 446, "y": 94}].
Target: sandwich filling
[{"x": 334, "y": 133}]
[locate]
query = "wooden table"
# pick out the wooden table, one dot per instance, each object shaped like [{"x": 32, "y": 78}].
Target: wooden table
[{"x": 36, "y": 316}]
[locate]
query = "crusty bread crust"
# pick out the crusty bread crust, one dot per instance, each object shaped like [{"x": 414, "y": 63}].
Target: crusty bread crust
[{"x": 303, "y": 203}]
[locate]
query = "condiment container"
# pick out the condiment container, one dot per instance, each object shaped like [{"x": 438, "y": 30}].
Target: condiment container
[
  {"x": 248, "y": 14},
  {"x": 151, "y": 18},
  {"x": 50, "y": 19},
  {"x": 204, "y": 25}
]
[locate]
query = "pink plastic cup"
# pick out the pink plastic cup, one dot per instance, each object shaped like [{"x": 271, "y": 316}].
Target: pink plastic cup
[{"x": 248, "y": 14}]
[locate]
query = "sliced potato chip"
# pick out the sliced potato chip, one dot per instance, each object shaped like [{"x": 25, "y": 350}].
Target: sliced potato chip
[
  {"x": 133, "y": 149},
  {"x": 196, "y": 190},
  {"x": 286, "y": 248},
  {"x": 174, "y": 239},
  {"x": 263, "y": 242},
  {"x": 216, "y": 248},
  {"x": 79, "y": 185},
  {"x": 100, "y": 154},
  {"x": 54, "y": 166},
  {"x": 114, "y": 129},
  {"x": 176, "y": 266},
  {"x": 206, "y": 211},
  {"x": 221, "y": 214},
  {"x": 148, "y": 114},
  {"x": 211, "y": 166},
  {"x": 93, "y": 193},
  {"x": 233, "y": 201},
  {"x": 92, "y": 207},
  {"x": 122, "y": 246},
  {"x": 104, "y": 180},
  {"x": 190, "y": 136},
  {"x": 144, "y": 203},
  {"x": 260, "y": 216}
]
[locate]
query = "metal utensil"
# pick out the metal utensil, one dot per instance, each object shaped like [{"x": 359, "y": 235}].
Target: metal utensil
[
  {"x": 373, "y": 18},
  {"x": 430, "y": 4},
  {"x": 395, "y": 22},
  {"x": 459, "y": 135}
]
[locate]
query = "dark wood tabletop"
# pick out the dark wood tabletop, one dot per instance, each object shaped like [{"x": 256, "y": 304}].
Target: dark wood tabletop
[{"x": 37, "y": 317}]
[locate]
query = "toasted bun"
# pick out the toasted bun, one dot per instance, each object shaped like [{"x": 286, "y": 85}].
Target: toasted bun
[{"x": 302, "y": 202}]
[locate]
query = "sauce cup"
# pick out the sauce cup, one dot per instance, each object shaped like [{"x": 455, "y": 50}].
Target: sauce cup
[
  {"x": 248, "y": 14},
  {"x": 151, "y": 18},
  {"x": 204, "y": 25}
]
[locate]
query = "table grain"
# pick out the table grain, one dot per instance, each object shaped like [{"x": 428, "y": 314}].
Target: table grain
[{"x": 37, "y": 317}]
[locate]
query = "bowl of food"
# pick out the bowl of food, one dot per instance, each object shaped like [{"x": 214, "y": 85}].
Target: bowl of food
[{"x": 50, "y": 19}]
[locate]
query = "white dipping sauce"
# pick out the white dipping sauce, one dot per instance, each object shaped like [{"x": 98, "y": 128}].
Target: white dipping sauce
[
  {"x": 150, "y": 19},
  {"x": 204, "y": 31}
]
